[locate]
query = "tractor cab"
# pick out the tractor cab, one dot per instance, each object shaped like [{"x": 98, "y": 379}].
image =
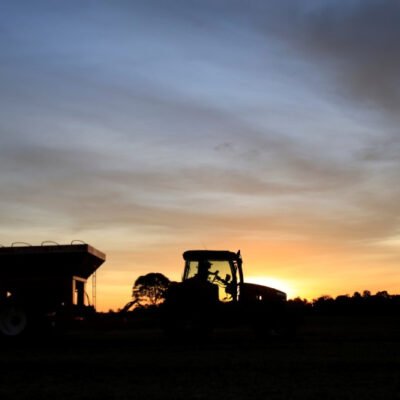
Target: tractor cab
[
  {"x": 220, "y": 268},
  {"x": 223, "y": 270}
]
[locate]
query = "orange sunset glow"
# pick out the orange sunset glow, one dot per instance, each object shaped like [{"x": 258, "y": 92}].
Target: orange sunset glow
[
  {"x": 301, "y": 269},
  {"x": 146, "y": 130}
]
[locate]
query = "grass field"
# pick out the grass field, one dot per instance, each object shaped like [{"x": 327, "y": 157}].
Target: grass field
[{"x": 330, "y": 358}]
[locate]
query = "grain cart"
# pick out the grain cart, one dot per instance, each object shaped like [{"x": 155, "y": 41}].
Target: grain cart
[
  {"x": 44, "y": 286},
  {"x": 213, "y": 293}
]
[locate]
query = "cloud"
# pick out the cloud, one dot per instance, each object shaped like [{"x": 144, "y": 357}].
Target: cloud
[
  {"x": 356, "y": 42},
  {"x": 164, "y": 123},
  {"x": 82, "y": 190}
]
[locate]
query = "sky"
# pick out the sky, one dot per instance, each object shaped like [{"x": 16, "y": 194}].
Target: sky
[{"x": 147, "y": 128}]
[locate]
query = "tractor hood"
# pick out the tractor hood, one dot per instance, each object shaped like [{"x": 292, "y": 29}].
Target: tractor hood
[{"x": 252, "y": 292}]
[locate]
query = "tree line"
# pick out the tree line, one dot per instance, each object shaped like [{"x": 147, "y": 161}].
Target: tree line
[{"x": 380, "y": 303}]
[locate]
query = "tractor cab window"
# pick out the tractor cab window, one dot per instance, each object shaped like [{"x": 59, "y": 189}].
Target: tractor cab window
[{"x": 220, "y": 273}]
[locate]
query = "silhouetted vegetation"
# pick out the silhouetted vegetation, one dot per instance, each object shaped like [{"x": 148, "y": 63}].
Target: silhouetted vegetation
[
  {"x": 381, "y": 303},
  {"x": 149, "y": 290}
]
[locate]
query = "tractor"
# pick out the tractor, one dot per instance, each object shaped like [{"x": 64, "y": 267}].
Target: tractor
[{"x": 213, "y": 294}]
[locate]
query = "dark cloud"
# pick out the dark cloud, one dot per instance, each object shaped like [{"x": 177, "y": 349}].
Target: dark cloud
[{"x": 356, "y": 41}]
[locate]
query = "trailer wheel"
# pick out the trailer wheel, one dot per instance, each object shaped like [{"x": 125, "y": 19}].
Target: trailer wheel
[{"x": 13, "y": 320}]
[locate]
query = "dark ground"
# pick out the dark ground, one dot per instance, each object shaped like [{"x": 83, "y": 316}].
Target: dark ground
[{"x": 331, "y": 358}]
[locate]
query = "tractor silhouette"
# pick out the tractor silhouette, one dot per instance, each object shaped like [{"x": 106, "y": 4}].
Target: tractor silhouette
[{"x": 213, "y": 294}]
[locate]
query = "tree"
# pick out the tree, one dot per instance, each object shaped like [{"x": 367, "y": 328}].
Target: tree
[
  {"x": 383, "y": 294},
  {"x": 150, "y": 289},
  {"x": 366, "y": 294}
]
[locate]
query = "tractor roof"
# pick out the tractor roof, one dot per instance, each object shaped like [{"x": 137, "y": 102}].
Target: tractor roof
[{"x": 210, "y": 255}]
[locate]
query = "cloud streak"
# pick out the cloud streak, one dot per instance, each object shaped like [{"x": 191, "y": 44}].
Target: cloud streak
[{"x": 356, "y": 42}]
